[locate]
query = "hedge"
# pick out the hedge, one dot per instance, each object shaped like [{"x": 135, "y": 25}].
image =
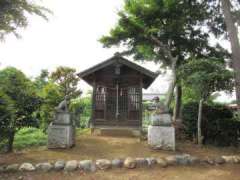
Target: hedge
[{"x": 219, "y": 127}]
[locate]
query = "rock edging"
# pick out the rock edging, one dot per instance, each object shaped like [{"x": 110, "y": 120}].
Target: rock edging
[{"x": 127, "y": 163}]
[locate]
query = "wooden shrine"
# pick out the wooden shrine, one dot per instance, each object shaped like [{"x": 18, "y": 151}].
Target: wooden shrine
[{"x": 117, "y": 92}]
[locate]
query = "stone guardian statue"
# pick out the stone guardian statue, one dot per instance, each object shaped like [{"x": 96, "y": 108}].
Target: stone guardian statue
[{"x": 61, "y": 132}]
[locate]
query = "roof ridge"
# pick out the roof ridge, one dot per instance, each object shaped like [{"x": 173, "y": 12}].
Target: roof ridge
[{"x": 115, "y": 58}]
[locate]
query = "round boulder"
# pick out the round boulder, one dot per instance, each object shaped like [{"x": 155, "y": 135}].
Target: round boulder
[
  {"x": 228, "y": 159},
  {"x": 71, "y": 165},
  {"x": 193, "y": 160},
  {"x": 103, "y": 164},
  {"x": 59, "y": 165},
  {"x": 130, "y": 163},
  {"x": 87, "y": 165},
  {"x": 117, "y": 163},
  {"x": 236, "y": 159},
  {"x": 219, "y": 160},
  {"x": 151, "y": 161},
  {"x": 12, "y": 168},
  {"x": 44, "y": 166},
  {"x": 27, "y": 167},
  {"x": 171, "y": 160},
  {"x": 161, "y": 162},
  {"x": 141, "y": 162},
  {"x": 2, "y": 169},
  {"x": 182, "y": 159},
  {"x": 209, "y": 161}
]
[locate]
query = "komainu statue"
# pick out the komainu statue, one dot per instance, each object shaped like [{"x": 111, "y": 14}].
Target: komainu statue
[
  {"x": 61, "y": 132},
  {"x": 62, "y": 106}
]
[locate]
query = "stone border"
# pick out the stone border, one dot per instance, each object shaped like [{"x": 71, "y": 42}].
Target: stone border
[{"x": 127, "y": 163}]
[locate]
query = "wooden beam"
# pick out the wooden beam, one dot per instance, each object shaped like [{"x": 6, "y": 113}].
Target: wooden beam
[{"x": 93, "y": 102}]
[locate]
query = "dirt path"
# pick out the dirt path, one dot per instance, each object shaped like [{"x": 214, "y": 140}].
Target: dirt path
[
  {"x": 225, "y": 172},
  {"x": 95, "y": 147}
]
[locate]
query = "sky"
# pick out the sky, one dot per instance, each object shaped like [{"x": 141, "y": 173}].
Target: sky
[{"x": 69, "y": 38}]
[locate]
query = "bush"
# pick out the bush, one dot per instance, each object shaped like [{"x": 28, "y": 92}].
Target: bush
[
  {"x": 219, "y": 127},
  {"x": 81, "y": 108},
  {"x": 28, "y": 137}
]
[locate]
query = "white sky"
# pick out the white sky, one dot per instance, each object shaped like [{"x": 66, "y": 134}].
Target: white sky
[{"x": 69, "y": 38}]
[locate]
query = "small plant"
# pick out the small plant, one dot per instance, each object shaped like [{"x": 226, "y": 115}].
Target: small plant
[{"x": 29, "y": 137}]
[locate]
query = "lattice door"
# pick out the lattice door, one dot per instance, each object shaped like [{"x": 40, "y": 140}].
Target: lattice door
[{"x": 134, "y": 102}]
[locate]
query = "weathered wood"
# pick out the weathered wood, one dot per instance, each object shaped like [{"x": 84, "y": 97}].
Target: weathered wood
[
  {"x": 117, "y": 92},
  {"x": 141, "y": 106},
  {"x": 93, "y": 104}
]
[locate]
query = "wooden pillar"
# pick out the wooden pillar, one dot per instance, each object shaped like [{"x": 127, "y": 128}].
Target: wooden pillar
[
  {"x": 93, "y": 104},
  {"x": 140, "y": 103}
]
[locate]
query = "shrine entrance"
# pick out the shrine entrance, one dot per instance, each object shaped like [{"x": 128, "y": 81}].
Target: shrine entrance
[
  {"x": 117, "y": 92},
  {"x": 119, "y": 106}
]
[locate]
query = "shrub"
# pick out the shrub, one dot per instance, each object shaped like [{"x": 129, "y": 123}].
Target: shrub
[
  {"x": 28, "y": 137},
  {"x": 219, "y": 127},
  {"x": 81, "y": 107}
]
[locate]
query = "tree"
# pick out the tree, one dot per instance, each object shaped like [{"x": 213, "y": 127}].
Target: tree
[
  {"x": 166, "y": 32},
  {"x": 51, "y": 96},
  {"x": 234, "y": 40},
  {"x": 6, "y": 114},
  {"x": 205, "y": 76},
  {"x": 42, "y": 80},
  {"x": 20, "y": 96},
  {"x": 13, "y": 15},
  {"x": 68, "y": 80}
]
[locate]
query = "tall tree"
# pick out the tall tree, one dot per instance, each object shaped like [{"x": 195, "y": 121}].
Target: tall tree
[
  {"x": 163, "y": 31},
  {"x": 232, "y": 30},
  {"x": 42, "y": 80},
  {"x": 68, "y": 80},
  {"x": 20, "y": 96},
  {"x": 13, "y": 15},
  {"x": 205, "y": 76},
  {"x": 51, "y": 95}
]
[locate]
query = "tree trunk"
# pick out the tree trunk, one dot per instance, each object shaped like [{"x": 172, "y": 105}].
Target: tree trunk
[
  {"x": 199, "y": 122},
  {"x": 10, "y": 141},
  {"x": 166, "y": 50},
  {"x": 178, "y": 103},
  {"x": 172, "y": 85},
  {"x": 235, "y": 45}
]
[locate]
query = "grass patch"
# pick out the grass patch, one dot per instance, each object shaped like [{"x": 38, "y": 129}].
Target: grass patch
[
  {"x": 85, "y": 131},
  {"x": 29, "y": 137},
  {"x": 33, "y": 137}
]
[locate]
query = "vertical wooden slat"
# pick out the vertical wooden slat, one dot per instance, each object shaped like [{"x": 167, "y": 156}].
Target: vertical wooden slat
[
  {"x": 105, "y": 103},
  {"x": 93, "y": 103}
]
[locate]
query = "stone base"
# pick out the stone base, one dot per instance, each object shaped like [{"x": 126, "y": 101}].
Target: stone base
[
  {"x": 161, "y": 137},
  {"x": 116, "y": 131},
  {"x": 61, "y": 136}
]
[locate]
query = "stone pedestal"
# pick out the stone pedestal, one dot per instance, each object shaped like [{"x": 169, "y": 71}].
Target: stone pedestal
[
  {"x": 161, "y": 137},
  {"x": 61, "y": 132},
  {"x": 163, "y": 119}
]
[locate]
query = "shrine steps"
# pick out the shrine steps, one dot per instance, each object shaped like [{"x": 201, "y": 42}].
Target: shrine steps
[{"x": 117, "y": 131}]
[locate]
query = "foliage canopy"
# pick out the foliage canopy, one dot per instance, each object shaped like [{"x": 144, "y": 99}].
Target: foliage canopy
[{"x": 14, "y": 15}]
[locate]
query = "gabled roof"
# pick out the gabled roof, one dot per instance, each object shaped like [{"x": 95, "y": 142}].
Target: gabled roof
[{"x": 120, "y": 60}]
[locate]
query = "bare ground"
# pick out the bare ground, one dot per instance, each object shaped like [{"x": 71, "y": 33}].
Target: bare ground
[
  {"x": 225, "y": 172},
  {"x": 95, "y": 147}
]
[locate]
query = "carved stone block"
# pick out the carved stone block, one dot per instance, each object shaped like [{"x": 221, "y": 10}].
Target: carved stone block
[
  {"x": 61, "y": 136},
  {"x": 160, "y": 137}
]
